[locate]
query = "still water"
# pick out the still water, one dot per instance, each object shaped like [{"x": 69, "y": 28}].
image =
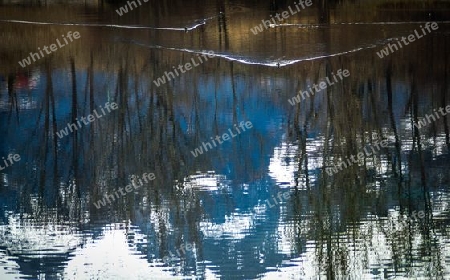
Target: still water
[{"x": 125, "y": 193}]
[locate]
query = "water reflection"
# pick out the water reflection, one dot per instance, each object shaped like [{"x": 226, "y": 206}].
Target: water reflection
[{"x": 354, "y": 224}]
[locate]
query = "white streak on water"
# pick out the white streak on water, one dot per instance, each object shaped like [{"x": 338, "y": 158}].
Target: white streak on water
[
  {"x": 189, "y": 27},
  {"x": 302, "y": 25},
  {"x": 280, "y": 62}
]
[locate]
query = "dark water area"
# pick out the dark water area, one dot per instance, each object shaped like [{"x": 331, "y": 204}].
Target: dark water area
[{"x": 351, "y": 182}]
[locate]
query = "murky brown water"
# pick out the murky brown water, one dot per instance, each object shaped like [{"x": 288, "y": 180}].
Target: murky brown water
[{"x": 264, "y": 204}]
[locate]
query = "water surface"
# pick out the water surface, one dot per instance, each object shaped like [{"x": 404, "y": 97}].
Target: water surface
[{"x": 226, "y": 204}]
